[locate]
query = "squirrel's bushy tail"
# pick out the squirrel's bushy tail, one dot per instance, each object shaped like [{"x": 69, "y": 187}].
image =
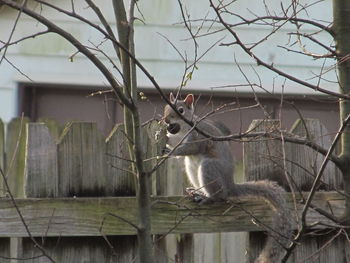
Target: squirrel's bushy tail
[{"x": 281, "y": 235}]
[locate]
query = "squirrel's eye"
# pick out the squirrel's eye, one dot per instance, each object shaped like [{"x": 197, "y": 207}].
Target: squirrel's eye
[{"x": 180, "y": 109}]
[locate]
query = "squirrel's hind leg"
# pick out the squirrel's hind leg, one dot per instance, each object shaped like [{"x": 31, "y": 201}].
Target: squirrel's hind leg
[{"x": 211, "y": 179}]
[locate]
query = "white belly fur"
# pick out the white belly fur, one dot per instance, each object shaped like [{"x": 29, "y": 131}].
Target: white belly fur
[{"x": 192, "y": 165}]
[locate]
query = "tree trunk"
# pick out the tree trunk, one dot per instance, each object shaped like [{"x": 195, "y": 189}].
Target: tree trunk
[
  {"x": 133, "y": 130},
  {"x": 341, "y": 14}
]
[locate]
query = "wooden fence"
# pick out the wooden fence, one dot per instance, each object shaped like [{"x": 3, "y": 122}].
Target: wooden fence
[{"x": 74, "y": 192}]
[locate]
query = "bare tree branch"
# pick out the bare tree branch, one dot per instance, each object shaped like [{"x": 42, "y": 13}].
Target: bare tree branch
[
  {"x": 327, "y": 29},
  {"x": 22, "y": 39},
  {"x": 81, "y": 48},
  {"x": 271, "y": 67}
]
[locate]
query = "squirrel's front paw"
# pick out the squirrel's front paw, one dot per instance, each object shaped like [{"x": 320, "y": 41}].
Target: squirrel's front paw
[
  {"x": 166, "y": 150},
  {"x": 196, "y": 195}
]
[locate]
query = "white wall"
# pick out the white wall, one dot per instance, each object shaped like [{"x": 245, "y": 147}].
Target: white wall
[{"x": 45, "y": 59}]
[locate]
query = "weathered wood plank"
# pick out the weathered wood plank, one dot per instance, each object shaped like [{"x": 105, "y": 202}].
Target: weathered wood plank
[
  {"x": 81, "y": 249},
  {"x": 41, "y": 162},
  {"x": 121, "y": 182},
  {"x": 5, "y": 250},
  {"x": 263, "y": 157},
  {"x": 153, "y": 144},
  {"x": 81, "y": 162},
  {"x": 15, "y": 154},
  {"x": 303, "y": 162},
  {"x": 326, "y": 248},
  {"x": 84, "y": 216}
]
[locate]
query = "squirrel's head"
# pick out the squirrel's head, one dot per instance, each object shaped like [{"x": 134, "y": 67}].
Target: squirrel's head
[{"x": 184, "y": 107}]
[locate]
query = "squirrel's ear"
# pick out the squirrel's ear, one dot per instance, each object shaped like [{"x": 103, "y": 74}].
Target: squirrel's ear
[
  {"x": 189, "y": 100},
  {"x": 171, "y": 97}
]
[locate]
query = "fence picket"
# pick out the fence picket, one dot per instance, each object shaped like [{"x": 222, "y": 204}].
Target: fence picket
[
  {"x": 40, "y": 162},
  {"x": 305, "y": 162},
  {"x": 15, "y": 155},
  {"x": 121, "y": 182},
  {"x": 81, "y": 161}
]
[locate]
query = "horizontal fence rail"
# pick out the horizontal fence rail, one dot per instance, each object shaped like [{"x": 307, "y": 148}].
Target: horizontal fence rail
[{"x": 118, "y": 216}]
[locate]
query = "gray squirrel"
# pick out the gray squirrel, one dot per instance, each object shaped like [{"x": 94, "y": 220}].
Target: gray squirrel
[{"x": 209, "y": 168}]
